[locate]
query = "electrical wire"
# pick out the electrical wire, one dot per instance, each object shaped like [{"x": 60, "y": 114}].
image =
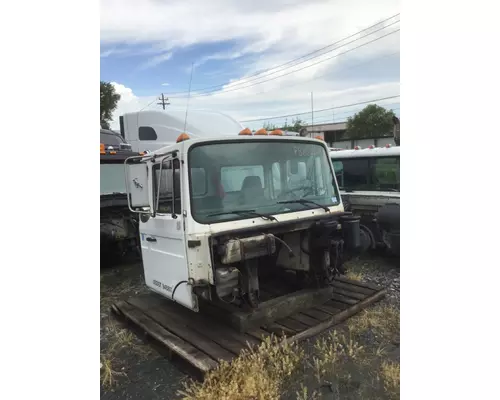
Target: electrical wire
[
  {"x": 259, "y": 74},
  {"x": 217, "y": 92},
  {"x": 324, "y": 109}
]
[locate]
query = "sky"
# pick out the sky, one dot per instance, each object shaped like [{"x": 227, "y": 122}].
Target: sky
[{"x": 252, "y": 60}]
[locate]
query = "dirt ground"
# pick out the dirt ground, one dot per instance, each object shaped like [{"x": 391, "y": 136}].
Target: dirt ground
[{"x": 133, "y": 369}]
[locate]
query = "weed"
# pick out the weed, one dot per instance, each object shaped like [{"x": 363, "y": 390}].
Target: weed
[
  {"x": 303, "y": 393},
  {"x": 382, "y": 320},
  {"x": 354, "y": 275},
  {"x": 108, "y": 374},
  {"x": 262, "y": 373},
  {"x": 389, "y": 373}
]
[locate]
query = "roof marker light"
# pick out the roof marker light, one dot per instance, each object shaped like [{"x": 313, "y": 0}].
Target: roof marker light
[
  {"x": 388, "y": 145},
  {"x": 103, "y": 151},
  {"x": 277, "y": 132},
  {"x": 245, "y": 131},
  {"x": 357, "y": 148},
  {"x": 182, "y": 137},
  {"x": 371, "y": 146},
  {"x": 319, "y": 138},
  {"x": 261, "y": 132}
]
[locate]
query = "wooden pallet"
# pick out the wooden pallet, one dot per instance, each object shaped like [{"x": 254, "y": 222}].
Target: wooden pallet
[{"x": 202, "y": 342}]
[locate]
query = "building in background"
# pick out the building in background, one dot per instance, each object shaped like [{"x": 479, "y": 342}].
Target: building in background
[{"x": 334, "y": 135}]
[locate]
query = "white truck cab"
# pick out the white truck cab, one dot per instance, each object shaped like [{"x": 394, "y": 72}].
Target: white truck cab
[
  {"x": 369, "y": 184},
  {"x": 218, "y": 215},
  {"x": 151, "y": 130}
]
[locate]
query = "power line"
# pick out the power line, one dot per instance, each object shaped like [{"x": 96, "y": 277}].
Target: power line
[
  {"x": 262, "y": 74},
  {"x": 308, "y": 54},
  {"x": 324, "y": 109},
  {"x": 147, "y": 105},
  {"x": 351, "y": 67},
  {"x": 214, "y": 93},
  {"x": 329, "y": 119}
]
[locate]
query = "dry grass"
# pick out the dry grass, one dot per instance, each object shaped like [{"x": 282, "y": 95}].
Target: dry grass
[
  {"x": 389, "y": 373},
  {"x": 340, "y": 362},
  {"x": 112, "y": 293},
  {"x": 354, "y": 275},
  {"x": 261, "y": 374},
  {"x": 306, "y": 394},
  {"x": 108, "y": 374},
  {"x": 117, "y": 340},
  {"x": 382, "y": 320}
]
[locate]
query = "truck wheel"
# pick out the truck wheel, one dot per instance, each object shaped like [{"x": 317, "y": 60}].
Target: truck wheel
[{"x": 367, "y": 238}]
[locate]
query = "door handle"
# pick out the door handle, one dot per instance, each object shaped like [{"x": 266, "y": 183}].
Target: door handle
[{"x": 151, "y": 239}]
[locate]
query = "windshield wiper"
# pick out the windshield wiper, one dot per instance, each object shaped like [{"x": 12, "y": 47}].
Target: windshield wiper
[
  {"x": 238, "y": 212},
  {"x": 304, "y": 202}
]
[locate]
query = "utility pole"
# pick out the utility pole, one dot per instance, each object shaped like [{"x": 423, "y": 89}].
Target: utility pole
[
  {"x": 312, "y": 114},
  {"x": 163, "y": 101}
]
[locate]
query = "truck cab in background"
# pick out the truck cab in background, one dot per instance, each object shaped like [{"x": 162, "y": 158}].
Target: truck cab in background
[
  {"x": 152, "y": 130},
  {"x": 369, "y": 183}
]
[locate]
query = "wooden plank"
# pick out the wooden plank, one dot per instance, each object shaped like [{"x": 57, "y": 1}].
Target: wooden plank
[
  {"x": 304, "y": 319},
  {"x": 177, "y": 345},
  {"x": 353, "y": 288},
  {"x": 317, "y": 314},
  {"x": 177, "y": 326},
  {"x": 336, "y": 304},
  {"x": 329, "y": 309},
  {"x": 258, "y": 334},
  {"x": 279, "y": 330},
  {"x": 343, "y": 299},
  {"x": 357, "y": 283},
  {"x": 292, "y": 324},
  {"x": 223, "y": 336},
  {"x": 349, "y": 293},
  {"x": 337, "y": 318}
]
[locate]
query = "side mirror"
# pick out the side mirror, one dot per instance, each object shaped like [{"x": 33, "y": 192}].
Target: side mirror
[{"x": 136, "y": 175}]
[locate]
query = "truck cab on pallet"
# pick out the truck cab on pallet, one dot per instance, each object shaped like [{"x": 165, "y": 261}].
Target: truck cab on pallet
[{"x": 226, "y": 221}]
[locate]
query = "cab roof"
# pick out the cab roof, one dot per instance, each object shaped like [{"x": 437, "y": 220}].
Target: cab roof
[{"x": 363, "y": 153}]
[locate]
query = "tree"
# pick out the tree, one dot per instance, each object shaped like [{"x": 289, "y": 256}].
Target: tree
[
  {"x": 297, "y": 125},
  {"x": 109, "y": 102},
  {"x": 371, "y": 122}
]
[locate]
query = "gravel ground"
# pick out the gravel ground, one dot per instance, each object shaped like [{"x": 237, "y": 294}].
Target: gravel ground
[{"x": 138, "y": 371}]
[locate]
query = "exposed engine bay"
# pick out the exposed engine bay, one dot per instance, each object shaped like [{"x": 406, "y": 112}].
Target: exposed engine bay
[{"x": 310, "y": 254}]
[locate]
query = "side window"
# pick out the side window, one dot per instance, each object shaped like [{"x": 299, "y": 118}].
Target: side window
[
  {"x": 338, "y": 167},
  {"x": 147, "y": 133},
  {"x": 232, "y": 177},
  {"x": 385, "y": 173},
  {"x": 198, "y": 181},
  {"x": 167, "y": 187},
  {"x": 356, "y": 174}
]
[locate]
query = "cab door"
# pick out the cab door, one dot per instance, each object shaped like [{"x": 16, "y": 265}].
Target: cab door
[{"x": 163, "y": 237}]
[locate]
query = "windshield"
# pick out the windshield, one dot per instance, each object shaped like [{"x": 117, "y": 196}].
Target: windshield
[
  {"x": 112, "y": 178},
  {"x": 230, "y": 181},
  {"x": 110, "y": 139},
  {"x": 367, "y": 174}
]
